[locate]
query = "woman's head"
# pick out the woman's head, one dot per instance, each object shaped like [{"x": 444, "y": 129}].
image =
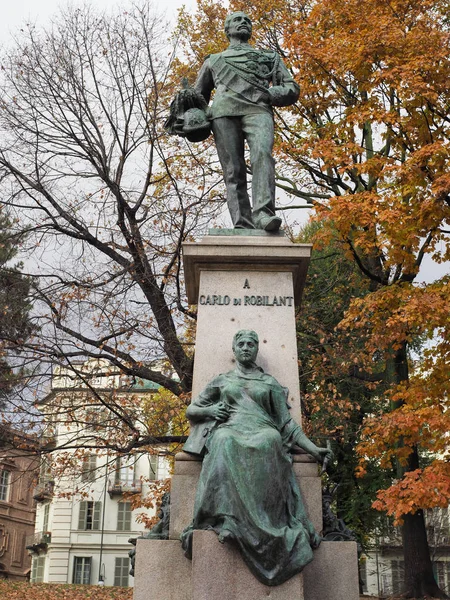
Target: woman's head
[{"x": 245, "y": 346}]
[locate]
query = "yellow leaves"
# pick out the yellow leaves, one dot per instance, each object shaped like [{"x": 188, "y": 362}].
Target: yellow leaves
[
  {"x": 153, "y": 499},
  {"x": 164, "y": 414},
  {"x": 394, "y": 434}
]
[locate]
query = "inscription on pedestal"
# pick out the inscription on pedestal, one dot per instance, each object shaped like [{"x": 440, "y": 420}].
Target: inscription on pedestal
[{"x": 225, "y": 300}]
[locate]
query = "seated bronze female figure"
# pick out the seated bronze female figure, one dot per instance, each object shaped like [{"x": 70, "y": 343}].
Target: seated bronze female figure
[{"x": 247, "y": 491}]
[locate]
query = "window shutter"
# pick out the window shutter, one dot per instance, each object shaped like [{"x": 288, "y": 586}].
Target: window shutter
[
  {"x": 120, "y": 516},
  {"x": 153, "y": 459},
  {"x": 121, "y": 569},
  {"x": 46, "y": 514},
  {"x": 124, "y": 516},
  {"x": 397, "y": 567},
  {"x": 34, "y": 570},
  {"x": 87, "y": 571},
  {"x": 97, "y": 513},
  {"x": 117, "y": 470},
  {"x": 88, "y": 468},
  {"x": 127, "y": 523},
  {"x": 37, "y": 570},
  {"x": 82, "y": 517},
  {"x": 40, "y": 569}
]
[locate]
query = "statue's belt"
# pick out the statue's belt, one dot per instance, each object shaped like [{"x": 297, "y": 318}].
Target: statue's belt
[{"x": 245, "y": 84}]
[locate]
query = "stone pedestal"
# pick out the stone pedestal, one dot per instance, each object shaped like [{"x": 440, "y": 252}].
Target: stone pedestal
[
  {"x": 251, "y": 281},
  {"x": 218, "y": 572},
  {"x": 246, "y": 282},
  {"x": 333, "y": 574},
  {"x": 162, "y": 571}
]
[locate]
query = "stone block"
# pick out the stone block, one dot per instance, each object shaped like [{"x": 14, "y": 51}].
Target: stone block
[
  {"x": 333, "y": 574},
  {"x": 162, "y": 571},
  {"x": 219, "y": 573},
  {"x": 182, "y": 498},
  {"x": 305, "y": 466},
  {"x": 275, "y": 326},
  {"x": 186, "y": 464},
  {"x": 311, "y": 491}
]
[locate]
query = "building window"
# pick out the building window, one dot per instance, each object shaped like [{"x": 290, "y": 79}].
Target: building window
[
  {"x": 124, "y": 516},
  {"x": 398, "y": 576},
  {"x": 124, "y": 471},
  {"x": 89, "y": 515},
  {"x": 88, "y": 468},
  {"x": 95, "y": 416},
  {"x": 153, "y": 459},
  {"x": 121, "y": 571},
  {"x": 45, "y": 521},
  {"x": 37, "y": 569},
  {"x": 363, "y": 574},
  {"x": 45, "y": 472},
  {"x": 82, "y": 570},
  {"x": 4, "y": 485},
  {"x": 442, "y": 574}
]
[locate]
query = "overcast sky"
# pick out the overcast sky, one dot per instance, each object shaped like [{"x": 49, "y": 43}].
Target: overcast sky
[{"x": 14, "y": 13}]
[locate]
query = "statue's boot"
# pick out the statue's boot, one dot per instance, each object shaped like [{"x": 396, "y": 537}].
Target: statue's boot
[{"x": 269, "y": 223}]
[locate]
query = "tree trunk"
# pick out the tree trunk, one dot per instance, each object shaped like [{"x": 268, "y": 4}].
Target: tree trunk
[{"x": 419, "y": 576}]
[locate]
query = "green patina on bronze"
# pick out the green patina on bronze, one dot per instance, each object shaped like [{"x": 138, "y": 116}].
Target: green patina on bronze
[
  {"x": 247, "y": 490},
  {"x": 248, "y": 83},
  {"x": 246, "y": 232}
]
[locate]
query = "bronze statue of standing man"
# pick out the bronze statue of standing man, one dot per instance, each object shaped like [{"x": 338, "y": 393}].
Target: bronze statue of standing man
[{"x": 248, "y": 82}]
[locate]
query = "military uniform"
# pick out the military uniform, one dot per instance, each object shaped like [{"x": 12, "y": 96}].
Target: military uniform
[{"x": 248, "y": 83}]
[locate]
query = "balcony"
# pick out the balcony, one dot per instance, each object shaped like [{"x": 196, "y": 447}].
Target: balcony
[
  {"x": 118, "y": 488},
  {"x": 43, "y": 491},
  {"x": 38, "y": 542}
]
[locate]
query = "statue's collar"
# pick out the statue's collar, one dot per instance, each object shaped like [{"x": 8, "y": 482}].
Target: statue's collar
[
  {"x": 240, "y": 48},
  {"x": 255, "y": 373}
]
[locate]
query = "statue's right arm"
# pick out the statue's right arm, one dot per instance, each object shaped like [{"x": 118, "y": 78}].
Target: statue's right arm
[
  {"x": 205, "y": 81},
  {"x": 208, "y": 405}
]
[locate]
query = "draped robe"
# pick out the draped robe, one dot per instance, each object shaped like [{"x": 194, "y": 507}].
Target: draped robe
[{"x": 247, "y": 490}]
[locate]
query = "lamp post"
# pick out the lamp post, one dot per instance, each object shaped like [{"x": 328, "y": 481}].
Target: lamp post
[{"x": 101, "y": 569}]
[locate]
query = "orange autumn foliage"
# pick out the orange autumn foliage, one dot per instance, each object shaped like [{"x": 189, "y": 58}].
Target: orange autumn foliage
[{"x": 18, "y": 590}]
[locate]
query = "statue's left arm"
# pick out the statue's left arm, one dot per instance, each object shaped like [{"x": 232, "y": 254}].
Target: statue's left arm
[
  {"x": 291, "y": 432},
  {"x": 285, "y": 91}
]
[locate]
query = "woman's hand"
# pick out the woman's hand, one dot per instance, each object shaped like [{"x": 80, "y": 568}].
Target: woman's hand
[
  {"x": 323, "y": 455},
  {"x": 219, "y": 412}
]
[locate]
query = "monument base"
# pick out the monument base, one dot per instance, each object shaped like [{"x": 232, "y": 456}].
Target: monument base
[
  {"x": 217, "y": 572},
  {"x": 249, "y": 281}
]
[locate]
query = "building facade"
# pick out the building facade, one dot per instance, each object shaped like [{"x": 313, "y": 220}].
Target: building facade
[
  {"x": 84, "y": 516},
  {"x": 382, "y": 569},
  {"x": 17, "y": 507}
]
